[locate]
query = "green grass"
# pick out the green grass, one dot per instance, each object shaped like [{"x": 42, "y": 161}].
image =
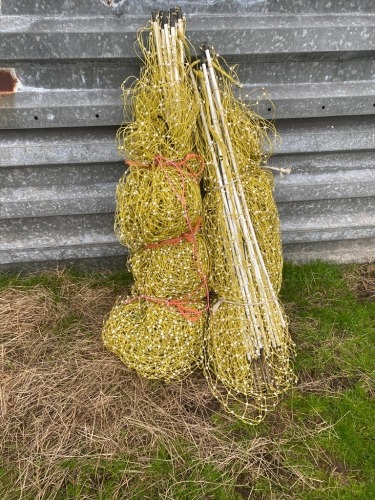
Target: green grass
[
  {"x": 165, "y": 476},
  {"x": 335, "y": 338},
  {"x": 323, "y": 429},
  {"x": 118, "y": 280}
]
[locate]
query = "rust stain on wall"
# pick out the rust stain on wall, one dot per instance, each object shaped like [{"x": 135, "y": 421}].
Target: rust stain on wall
[{"x": 8, "y": 80}]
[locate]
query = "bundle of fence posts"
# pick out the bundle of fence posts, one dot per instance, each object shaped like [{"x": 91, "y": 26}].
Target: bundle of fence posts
[
  {"x": 248, "y": 347},
  {"x": 189, "y": 136}
]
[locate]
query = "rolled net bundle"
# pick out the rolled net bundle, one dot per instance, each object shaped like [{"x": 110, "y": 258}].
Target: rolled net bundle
[
  {"x": 247, "y": 344},
  {"x": 158, "y": 339},
  {"x": 159, "y": 330}
]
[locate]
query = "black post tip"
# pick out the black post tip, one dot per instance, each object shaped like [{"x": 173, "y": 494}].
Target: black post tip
[{"x": 179, "y": 13}]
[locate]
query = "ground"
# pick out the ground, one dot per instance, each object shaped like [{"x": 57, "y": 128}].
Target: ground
[{"x": 76, "y": 423}]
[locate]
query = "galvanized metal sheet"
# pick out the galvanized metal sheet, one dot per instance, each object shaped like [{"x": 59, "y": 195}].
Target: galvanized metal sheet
[{"x": 59, "y": 114}]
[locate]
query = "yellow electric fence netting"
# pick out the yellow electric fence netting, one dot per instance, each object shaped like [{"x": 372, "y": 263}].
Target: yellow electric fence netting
[
  {"x": 247, "y": 344},
  {"x": 190, "y": 135},
  {"x": 159, "y": 330},
  {"x": 154, "y": 339}
]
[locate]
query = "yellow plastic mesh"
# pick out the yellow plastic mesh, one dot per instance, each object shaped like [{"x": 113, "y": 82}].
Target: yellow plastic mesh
[
  {"x": 247, "y": 344},
  {"x": 170, "y": 271},
  {"x": 154, "y": 339},
  {"x": 149, "y": 208},
  {"x": 159, "y": 330},
  {"x": 161, "y": 102}
]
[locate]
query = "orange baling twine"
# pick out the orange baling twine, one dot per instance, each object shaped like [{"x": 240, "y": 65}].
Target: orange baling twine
[
  {"x": 184, "y": 308},
  {"x": 189, "y": 236},
  {"x": 161, "y": 161}
]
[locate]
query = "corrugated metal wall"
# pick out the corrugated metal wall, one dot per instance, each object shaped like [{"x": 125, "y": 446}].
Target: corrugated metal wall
[{"x": 58, "y": 160}]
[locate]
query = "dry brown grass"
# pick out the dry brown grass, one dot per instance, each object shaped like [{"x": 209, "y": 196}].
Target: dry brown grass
[
  {"x": 63, "y": 396},
  {"x": 361, "y": 280}
]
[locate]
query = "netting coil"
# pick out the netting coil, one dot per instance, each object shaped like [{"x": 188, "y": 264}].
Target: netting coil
[
  {"x": 155, "y": 339},
  {"x": 159, "y": 330}
]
